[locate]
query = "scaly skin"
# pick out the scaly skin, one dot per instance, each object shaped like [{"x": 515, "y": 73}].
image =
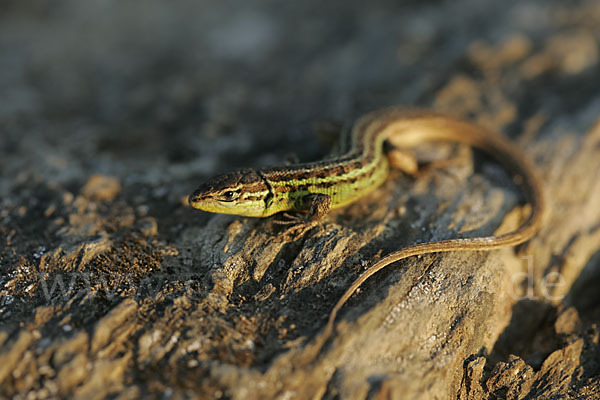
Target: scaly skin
[{"x": 319, "y": 186}]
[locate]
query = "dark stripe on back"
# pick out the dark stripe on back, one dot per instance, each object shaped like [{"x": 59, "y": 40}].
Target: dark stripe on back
[{"x": 361, "y": 154}]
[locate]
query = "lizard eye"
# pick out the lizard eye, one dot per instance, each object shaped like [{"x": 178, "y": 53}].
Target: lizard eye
[{"x": 229, "y": 195}]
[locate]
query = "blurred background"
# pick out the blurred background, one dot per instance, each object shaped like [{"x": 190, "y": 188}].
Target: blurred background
[{"x": 160, "y": 91}]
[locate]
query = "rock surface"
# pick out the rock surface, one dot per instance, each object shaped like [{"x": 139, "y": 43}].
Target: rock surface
[{"x": 111, "y": 286}]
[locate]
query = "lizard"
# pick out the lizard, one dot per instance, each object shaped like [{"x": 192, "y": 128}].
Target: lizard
[{"x": 376, "y": 142}]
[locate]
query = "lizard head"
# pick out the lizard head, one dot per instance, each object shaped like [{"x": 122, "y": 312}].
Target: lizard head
[{"x": 241, "y": 192}]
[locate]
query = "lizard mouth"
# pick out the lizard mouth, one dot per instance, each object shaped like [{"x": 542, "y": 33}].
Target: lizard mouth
[
  {"x": 207, "y": 202},
  {"x": 204, "y": 202}
]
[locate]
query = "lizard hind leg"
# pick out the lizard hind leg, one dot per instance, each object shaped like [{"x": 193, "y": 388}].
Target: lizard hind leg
[
  {"x": 406, "y": 161},
  {"x": 403, "y": 159}
]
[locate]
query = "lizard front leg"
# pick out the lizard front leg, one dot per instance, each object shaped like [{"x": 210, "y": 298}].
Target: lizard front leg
[{"x": 320, "y": 204}]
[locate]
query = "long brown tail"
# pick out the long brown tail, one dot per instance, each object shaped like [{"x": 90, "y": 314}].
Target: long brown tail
[{"x": 407, "y": 128}]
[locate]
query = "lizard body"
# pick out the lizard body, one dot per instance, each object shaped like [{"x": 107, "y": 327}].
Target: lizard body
[{"x": 320, "y": 186}]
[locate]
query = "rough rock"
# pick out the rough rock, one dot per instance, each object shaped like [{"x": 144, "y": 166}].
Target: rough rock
[{"x": 111, "y": 286}]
